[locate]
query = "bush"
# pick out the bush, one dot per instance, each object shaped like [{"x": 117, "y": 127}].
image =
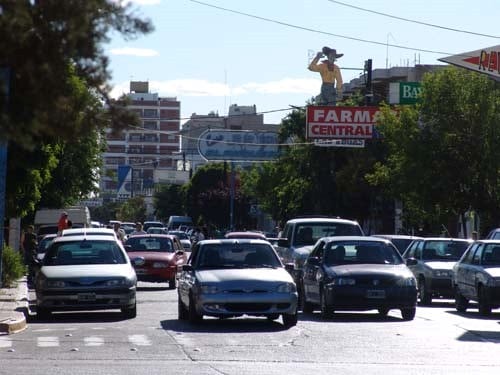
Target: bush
[{"x": 13, "y": 267}]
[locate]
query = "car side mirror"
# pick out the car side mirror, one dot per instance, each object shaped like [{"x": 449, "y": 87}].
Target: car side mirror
[
  {"x": 411, "y": 262},
  {"x": 283, "y": 242}
]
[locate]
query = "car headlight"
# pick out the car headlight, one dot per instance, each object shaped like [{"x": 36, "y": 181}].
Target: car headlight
[
  {"x": 55, "y": 283},
  {"x": 407, "y": 281},
  {"x": 286, "y": 288},
  {"x": 160, "y": 265},
  {"x": 441, "y": 273},
  {"x": 209, "y": 289},
  {"x": 342, "y": 281}
]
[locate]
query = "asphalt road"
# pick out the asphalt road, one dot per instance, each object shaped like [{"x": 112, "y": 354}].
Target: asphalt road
[{"x": 438, "y": 341}]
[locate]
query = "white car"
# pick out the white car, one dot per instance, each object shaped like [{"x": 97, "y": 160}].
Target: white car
[{"x": 89, "y": 232}]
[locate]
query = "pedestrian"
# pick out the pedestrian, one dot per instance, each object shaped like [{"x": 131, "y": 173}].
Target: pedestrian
[
  {"x": 474, "y": 236},
  {"x": 331, "y": 88},
  {"x": 138, "y": 230},
  {"x": 62, "y": 224},
  {"x": 120, "y": 233},
  {"x": 29, "y": 244}
]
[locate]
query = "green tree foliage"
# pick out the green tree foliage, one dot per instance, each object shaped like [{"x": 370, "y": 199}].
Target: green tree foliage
[
  {"x": 13, "y": 267},
  {"x": 105, "y": 213},
  {"x": 169, "y": 200},
  {"x": 134, "y": 209},
  {"x": 444, "y": 156},
  {"x": 208, "y": 198}
]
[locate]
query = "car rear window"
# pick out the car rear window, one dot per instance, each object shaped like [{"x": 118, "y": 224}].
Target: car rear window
[{"x": 150, "y": 244}]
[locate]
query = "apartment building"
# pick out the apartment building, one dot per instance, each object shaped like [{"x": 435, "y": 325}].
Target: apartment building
[{"x": 139, "y": 151}]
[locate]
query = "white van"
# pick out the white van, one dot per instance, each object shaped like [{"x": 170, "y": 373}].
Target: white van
[
  {"x": 46, "y": 219},
  {"x": 175, "y": 222}
]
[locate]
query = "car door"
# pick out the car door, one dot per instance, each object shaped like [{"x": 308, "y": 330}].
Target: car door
[
  {"x": 462, "y": 271},
  {"x": 414, "y": 251},
  {"x": 473, "y": 272},
  {"x": 310, "y": 282}
]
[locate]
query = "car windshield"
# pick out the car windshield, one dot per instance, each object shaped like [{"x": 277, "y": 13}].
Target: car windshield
[
  {"x": 84, "y": 252},
  {"x": 491, "y": 255},
  {"x": 240, "y": 255},
  {"x": 401, "y": 243},
  {"x": 309, "y": 233},
  {"x": 44, "y": 244},
  {"x": 180, "y": 234},
  {"x": 157, "y": 244},
  {"x": 444, "y": 250},
  {"x": 356, "y": 252}
]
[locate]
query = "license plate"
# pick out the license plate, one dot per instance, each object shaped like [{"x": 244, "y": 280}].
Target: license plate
[
  {"x": 375, "y": 293},
  {"x": 86, "y": 297},
  {"x": 140, "y": 271}
]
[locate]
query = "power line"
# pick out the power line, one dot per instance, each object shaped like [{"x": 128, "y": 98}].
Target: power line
[
  {"x": 414, "y": 21},
  {"x": 319, "y": 31}
]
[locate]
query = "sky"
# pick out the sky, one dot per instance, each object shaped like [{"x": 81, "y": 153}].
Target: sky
[{"x": 210, "y": 54}]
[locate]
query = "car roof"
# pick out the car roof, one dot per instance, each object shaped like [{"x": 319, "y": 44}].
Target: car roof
[
  {"x": 245, "y": 234},
  {"x": 88, "y": 230},
  {"x": 222, "y": 241},
  {"x": 321, "y": 219},
  {"x": 447, "y": 239},
  {"x": 152, "y": 235},
  {"x": 396, "y": 236},
  {"x": 356, "y": 238},
  {"x": 99, "y": 237}
]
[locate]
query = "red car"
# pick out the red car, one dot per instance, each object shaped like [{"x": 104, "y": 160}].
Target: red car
[{"x": 163, "y": 254}]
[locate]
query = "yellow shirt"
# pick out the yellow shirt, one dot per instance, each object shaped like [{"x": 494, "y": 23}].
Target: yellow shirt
[{"x": 327, "y": 75}]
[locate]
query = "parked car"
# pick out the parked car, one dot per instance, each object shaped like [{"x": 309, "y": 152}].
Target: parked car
[
  {"x": 86, "y": 273},
  {"x": 161, "y": 255},
  {"x": 358, "y": 273},
  {"x": 229, "y": 278},
  {"x": 183, "y": 237},
  {"x": 401, "y": 241},
  {"x": 246, "y": 234},
  {"x": 476, "y": 277},
  {"x": 435, "y": 258}
]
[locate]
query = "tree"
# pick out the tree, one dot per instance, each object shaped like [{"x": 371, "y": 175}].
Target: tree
[
  {"x": 134, "y": 209},
  {"x": 444, "y": 155},
  {"x": 169, "y": 200}
]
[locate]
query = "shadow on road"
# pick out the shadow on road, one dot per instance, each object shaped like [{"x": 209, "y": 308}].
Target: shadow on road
[
  {"x": 352, "y": 317},
  {"x": 230, "y": 325}
]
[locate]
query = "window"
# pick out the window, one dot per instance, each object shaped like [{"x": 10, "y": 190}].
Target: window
[
  {"x": 150, "y": 113},
  {"x": 150, "y": 125}
]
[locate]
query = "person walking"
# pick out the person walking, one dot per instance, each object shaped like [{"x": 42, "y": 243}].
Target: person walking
[
  {"x": 120, "y": 233},
  {"x": 29, "y": 244},
  {"x": 138, "y": 230}
]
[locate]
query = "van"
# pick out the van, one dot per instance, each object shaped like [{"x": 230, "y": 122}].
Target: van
[
  {"x": 175, "y": 222},
  {"x": 46, "y": 219}
]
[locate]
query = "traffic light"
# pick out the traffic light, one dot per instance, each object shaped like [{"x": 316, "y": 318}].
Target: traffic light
[{"x": 368, "y": 81}]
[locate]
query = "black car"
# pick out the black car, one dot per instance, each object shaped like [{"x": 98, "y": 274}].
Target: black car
[
  {"x": 358, "y": 273},
  {"x": 476, "y": 277}
]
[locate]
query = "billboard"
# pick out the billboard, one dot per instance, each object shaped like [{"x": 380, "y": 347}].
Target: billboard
[
  {"x": 328, "y": 122},
  {"x": 238, "y": 145},
  {"x": 486, "y": 60},
  {"x": 404, "y": 92}
]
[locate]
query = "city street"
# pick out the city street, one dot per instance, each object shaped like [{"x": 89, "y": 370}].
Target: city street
[{"x": 438, "y": 341}]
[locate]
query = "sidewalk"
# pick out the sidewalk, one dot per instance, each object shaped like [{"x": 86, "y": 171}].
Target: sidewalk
[{"x": 14, "y": 308}]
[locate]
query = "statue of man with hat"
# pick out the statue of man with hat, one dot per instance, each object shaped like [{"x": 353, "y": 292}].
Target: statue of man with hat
[{"x": 331, "y": 88}]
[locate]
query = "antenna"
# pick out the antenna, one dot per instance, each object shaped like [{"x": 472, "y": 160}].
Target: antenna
[{"x": 387, "y": 50}]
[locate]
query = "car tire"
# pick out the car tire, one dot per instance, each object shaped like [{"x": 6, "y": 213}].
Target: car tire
[
  {"x": 129, "y": 312},
  {"x": 193, "y": 316},
  {"x": 424, "y": 293},
  {"x": 43, "y": 312},
  {"x": 290, "y": 320},
  {"x": 172, "y": 283},
  {"x": 409, "y": 313},
  {"x": 182, "y": 312},
  {"x": 483, "y": 301},
  {"x": 461, "y": 303},
  {"x": 327, "y": 310},
  {"x": 383, "y": 311}
]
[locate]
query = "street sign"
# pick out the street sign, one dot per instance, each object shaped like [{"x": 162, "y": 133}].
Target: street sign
[
  {"x": 404, "y": 92},
  {"x": 329, "y": 122},
  {"x": 238, "y": 145},
  {"x": 486, "y": 60},
  {"x": 356, "y": 143}
]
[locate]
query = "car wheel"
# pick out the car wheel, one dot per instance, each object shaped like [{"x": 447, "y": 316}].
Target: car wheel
[
  {"x": 182, "y": 312},
  {"x": 129, "y": 312},
  {"x": 171, "y": 282},
  {"x": 424, "y": 293},
  {"x": 461, "y": 303},
  {"x": 409, "y": 314},
  {"x": 327, "y": 310},
  {"x": 193, "y": 316},
  {"x": 43, "y": 312},
  {"x": 483, "y": 301},
  {"x": 273, "y": 317},
  {"x": 290, "y": 320},
  {"x": 383, "y": 311}
]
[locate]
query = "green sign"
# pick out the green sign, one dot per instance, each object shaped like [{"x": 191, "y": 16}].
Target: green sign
[{"x": 409, "y": 92}]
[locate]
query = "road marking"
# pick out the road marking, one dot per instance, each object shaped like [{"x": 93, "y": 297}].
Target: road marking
[
  {"x": 139, "y": 340},
  {"x": 93, "y": 341},
  {"x": 5, "y": 342},
  {"x": 47, "y": 341}
]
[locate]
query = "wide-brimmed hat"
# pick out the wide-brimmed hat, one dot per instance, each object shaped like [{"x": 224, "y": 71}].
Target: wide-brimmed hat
[{"x": 327, "y": 50}]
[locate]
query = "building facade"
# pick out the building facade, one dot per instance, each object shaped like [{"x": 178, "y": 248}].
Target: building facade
[{"x": 143, "y": 149}]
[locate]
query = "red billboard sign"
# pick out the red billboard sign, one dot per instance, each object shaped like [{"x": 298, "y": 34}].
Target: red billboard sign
[
  {"x": 328, "y": 122},
  {"x": 486, "y": 60}
]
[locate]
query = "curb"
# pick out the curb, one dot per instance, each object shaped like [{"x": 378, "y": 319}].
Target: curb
[
  {"x": 14, "y": 308},
  {"x": 13, "y": 325}
]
